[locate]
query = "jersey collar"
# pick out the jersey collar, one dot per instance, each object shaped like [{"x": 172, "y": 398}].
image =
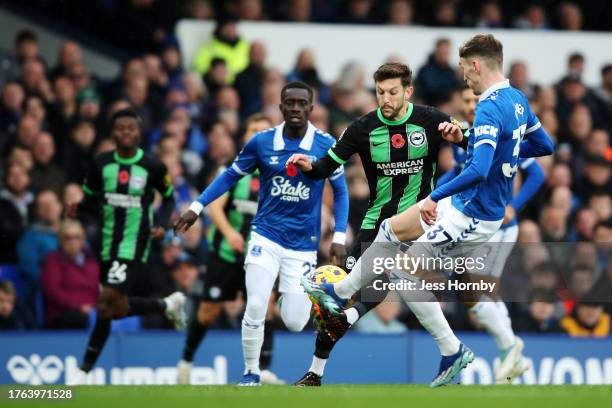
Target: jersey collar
[
  {"x": 400, "y": 121},
  {"x": 130, "y": 160},
  {"x": 503, "y": 84},
  {"x": 305, "y": 144}
]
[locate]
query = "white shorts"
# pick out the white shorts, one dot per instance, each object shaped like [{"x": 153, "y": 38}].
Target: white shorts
[
  {"x": 498, "y": 248},
  {"x": 454, "y": 233},
  {"x": 288, "y": 264}
]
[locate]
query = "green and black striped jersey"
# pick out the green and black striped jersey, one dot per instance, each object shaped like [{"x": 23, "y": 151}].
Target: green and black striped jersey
[
  {"x": 125, "y": 188},
  {"x": 240, "y": 209},
  {"x": 399, "y": 158}
]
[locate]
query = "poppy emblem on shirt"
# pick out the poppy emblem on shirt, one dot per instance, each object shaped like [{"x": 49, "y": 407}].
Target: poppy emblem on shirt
[
  {"x": 397, "y": 141},
  {"x": 124, "y": 177},
  {"x": 255, "y": 184}
]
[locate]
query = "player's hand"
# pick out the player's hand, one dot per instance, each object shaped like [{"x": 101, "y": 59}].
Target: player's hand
[
  {"x": 70, "y": 211},
  {"x": 510, "y": 214},
  {"x": 428, "y": 211},
  {"x": 451, "y": 132},
  {"x": 300, "y": 161},
  {"x": 235, "y": 241},
  {"x": 157, "y": 233},
  {"x": 185, "y": 221},
  {"x": 338, "y": 254}
]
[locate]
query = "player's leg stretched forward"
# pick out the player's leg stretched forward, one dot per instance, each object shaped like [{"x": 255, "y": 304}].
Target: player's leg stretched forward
[{"x": 403, "y": 227}]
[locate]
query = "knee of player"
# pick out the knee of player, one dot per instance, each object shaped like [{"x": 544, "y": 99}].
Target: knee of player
[
  {"x": 256, "y": 308},
  {"x": 105, "y": 309},
  {"x": 296, "y": 323}
]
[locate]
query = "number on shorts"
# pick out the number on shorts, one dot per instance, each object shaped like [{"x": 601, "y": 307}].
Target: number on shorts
[
  {"x": 431, "y": 235},
  {"x": 117, "y": 273},
  {"x": 308, "y": 267}
]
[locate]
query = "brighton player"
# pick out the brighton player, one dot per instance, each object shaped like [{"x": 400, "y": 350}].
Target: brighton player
[
  {"x": 286, "y": 230},
  {"x": 468, "y": 209},
  {"x": 398, "y": 145},
  {"x": 491, "y": 312}
]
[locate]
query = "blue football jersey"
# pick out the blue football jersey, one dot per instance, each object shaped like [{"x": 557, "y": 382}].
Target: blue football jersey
[
  {"x": 503, "y": 117},
  {"x": 289, "y": 211}
]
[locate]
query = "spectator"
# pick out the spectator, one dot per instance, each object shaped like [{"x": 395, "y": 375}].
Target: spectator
[
  {"x": 601, "y": 202},
  {"x": 357, "y": 12},
  {"x": 9, "y": 320},
  {"x": 38, "y": 241},
  {"x": 28, "y": 130},
  {"x": 184, "y": 273},
  {"x": 69, "y": 55},
  {"x": 604, "y": 92},
  {"x": 544, "y": 277},
  {"x": 250, "y": 81},
  {"x": 299, "y": 10},
  {"x": 250, "y": 10},
  {"x": 70, "y": 280},
  {"x": 570, "y": 16},
  {"x": 15, "y": 200},
  {"x": 554, "y": 224},
  {"x": 519, "y": 78},
  {"x": 400, "y": 13},
  {"x": 226, "y": 45},
  {"x": 490, "y": 15},
  {"x": 588, "y": 319},
  {"x": 383, "y": 319},
  {"x": 445, "y": 13},
  {"x": 159, "y": 281},
  {"x": 586, "y": 219},
  {"x": 46, "y": 175},
  {"x": 305, "y": 70},
  {"x": 10, "y": 110},
  {"x": 34, "y": 79},
  {"x": 598, "y": 144},
  {"x": 78, "y": 151},
  {"x": 596, "y": 177},
  {"x": 26, "y": 46},
  {"x": 436, "y": 79},
  {"x": 533, "y": 19},
  {"x": 216, "y": 77},
  {"x": 540, "y": 314},
  {"x": 171, "y": 60}
]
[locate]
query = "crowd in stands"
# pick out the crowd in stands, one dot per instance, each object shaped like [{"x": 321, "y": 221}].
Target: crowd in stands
[{"x": 54, "y": 119}]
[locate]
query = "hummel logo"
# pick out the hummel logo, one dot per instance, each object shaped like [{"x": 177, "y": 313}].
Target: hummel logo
[{"x": 273, "y": 159}]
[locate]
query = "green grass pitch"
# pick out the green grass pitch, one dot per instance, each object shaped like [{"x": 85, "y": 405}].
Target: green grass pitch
[{"x": 336, "y": 396}]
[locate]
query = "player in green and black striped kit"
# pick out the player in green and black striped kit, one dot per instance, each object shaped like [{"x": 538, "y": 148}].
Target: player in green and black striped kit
[
  {"x": 398, "y": 145},
  {"x": 123, "y": 183},
  {"x": 231, "y": 216}
]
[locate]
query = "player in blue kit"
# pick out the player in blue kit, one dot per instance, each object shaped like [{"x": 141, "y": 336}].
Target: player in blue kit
[
  {"x": 468, "y": 209},
  {"x": 286, "y": 230},
  {"x": 490, "y": 311}
]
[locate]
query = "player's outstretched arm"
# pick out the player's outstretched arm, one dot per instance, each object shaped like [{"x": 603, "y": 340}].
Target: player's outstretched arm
[
  {"x": 341, "y": 210},
  {"x": 220, "y": 185},
  {"x": 322, "y": 168}
]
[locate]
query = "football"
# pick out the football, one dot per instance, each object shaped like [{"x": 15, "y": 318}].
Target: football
[{"x": 327, "y": 274}]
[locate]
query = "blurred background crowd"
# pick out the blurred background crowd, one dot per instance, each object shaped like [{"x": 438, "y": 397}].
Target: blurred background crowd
[{"x": 54, "y": 119}]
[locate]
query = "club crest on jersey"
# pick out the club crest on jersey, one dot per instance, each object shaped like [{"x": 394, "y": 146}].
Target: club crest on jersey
[
  {"x": 138, "y": 182},
  {"x": 416, "y": 139},
  {"x": 397, "y": 141},
  {"x": 350, "y": 262},
  {"x": 518, "y": 110}
]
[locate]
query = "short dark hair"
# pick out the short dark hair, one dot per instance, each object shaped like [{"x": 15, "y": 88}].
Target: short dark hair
[
  {"x": 485, "y": 46},
  {"x": 25, "y": 35},
  {"x": 256, "y": 117},
  {"x": 607, "y": 224},
  {"x": 575, "y": 56},
  {"x": 391, "y": 70},
  {"x": 6, "y": 286},
  {"x": 125, "y": 113},
  {"x": 297, "y": 85},
  {"x": 606, "y": 68}
]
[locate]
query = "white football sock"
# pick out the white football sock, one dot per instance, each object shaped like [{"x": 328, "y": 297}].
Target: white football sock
[
  {"x": 318, "y": 365},
  {"x": 432, "y": 319},
  {"x": 387, "y": 247},
  {"x": 493, "y": 316},
  {"x": 352, "y": 315},
  {"x": 252, "y": 339}
]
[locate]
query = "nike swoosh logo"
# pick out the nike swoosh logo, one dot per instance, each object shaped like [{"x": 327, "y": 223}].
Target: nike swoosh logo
[{"x": 378, "y": 144}]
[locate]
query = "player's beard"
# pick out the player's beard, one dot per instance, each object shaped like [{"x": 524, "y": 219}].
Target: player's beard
[{"x": 395, "y": 115}]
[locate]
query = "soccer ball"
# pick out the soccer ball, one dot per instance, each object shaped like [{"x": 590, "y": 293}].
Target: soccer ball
[{"x": 328, "y": 274}]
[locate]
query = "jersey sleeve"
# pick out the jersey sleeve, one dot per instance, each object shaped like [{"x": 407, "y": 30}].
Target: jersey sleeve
[
  {"x": 533, "y": 123},
  {"x": 247, "y": 160},
  {"x": 93, "y": 181},
  {"x": 162, "y": 181},
  {"x": 487, "y": 125},
  {"x": 346, "y": 145}
]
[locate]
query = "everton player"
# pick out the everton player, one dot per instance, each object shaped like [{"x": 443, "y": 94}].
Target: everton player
[{"x": 286, "y": 230}]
